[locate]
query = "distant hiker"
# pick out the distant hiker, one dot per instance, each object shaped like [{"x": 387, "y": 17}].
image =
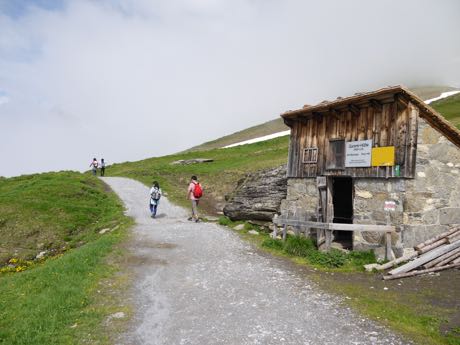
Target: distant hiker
[
  {"x": 94, "y": 164},
  {"x": 155, "y": 195},
  {"x": 194, "y": 193},
  {"x": 102, "y": 167}
]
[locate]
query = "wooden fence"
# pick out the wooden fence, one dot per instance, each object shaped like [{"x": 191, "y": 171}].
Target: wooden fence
[{"x": 329, "y": 227}]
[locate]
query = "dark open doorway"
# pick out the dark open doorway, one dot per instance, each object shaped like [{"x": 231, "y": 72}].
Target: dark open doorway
[{"x": 342, "y": 196}]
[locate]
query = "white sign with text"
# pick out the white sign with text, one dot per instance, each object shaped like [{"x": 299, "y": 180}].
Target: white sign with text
[{"x": 358, "y": 153}]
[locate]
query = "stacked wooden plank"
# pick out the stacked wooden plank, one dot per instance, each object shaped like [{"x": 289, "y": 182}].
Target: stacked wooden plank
[{"x": 436, "y": 254}]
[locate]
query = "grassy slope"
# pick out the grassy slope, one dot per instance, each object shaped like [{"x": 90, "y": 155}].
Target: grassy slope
[
  {"x": 266, "y": 128},
  {"x": 51, "y": 211},
  {"x": 450, "y": 108},
  {"x": 218, "y": 178},
  {"x": 40, "y": 305}
]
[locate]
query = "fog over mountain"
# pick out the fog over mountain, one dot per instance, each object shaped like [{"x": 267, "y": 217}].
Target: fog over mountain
[{"x": 126, "y": 80}]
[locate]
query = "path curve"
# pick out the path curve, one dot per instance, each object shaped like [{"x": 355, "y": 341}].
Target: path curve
[{"x": 199, "y": 283}]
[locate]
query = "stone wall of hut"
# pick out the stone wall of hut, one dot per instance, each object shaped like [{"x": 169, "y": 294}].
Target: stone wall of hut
[{"x": 432, "y": 199}]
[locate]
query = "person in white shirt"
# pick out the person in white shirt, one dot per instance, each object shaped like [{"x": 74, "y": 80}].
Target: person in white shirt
[
  {"x": 155, "y": 195},
  {"x": 94, "y": 164}
]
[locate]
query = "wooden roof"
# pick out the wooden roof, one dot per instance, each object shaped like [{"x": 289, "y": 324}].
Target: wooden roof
[{"x": 430, "y": 115}]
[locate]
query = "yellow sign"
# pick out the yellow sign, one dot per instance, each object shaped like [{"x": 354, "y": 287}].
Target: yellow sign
[{"x": 383, "y": 156}]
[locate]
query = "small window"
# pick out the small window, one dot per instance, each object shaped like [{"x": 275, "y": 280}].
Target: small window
[
  {"x": 310, "y": 155},
  {"x": 336, "y": 155}
]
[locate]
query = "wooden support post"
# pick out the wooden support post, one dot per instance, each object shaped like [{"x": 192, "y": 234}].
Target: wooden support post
[
  {"x": 328, "y": 240},
  {"x": 388, "y": 253},
  {"x": 329, "y": 213}
]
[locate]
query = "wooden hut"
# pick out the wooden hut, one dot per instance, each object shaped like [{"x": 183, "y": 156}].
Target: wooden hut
[{"x": 375, "y": 157}]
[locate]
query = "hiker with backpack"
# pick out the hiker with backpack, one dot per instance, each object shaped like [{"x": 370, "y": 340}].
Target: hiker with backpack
[
  {"x": 155, "y": 195},
  {"x": 94, "y": 164},
  {"x": 194, "y": 193}
]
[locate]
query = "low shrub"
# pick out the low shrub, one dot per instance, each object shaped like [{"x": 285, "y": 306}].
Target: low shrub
[
  {"x": 362, "y": 258},
  {"x": 249, "y": 226},
  {"x": 299, "y": 246},
  {"x": 225, "y": 221},
  {"x": 273, "y": 243},
  {"x": 332, "y": 259}
]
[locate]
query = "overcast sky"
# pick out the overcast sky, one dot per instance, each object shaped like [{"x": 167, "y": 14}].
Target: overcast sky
[{"x": 126, "y": 79}]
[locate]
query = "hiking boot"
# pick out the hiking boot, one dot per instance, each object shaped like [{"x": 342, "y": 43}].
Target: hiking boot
[
  {"x": 190, "y": 218},
  {"x": 197, "y": 220}
]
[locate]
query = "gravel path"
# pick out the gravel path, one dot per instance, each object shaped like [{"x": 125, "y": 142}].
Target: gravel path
[{"x": 198, "y": 283}]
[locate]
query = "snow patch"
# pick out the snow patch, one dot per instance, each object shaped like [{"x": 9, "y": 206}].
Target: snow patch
[
  {"x": 443, "y": 95},
  {"x": 256, "y": 140}
]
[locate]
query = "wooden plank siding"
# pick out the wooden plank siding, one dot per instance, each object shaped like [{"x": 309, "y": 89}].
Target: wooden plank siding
[{"x": 386, "y": 122}]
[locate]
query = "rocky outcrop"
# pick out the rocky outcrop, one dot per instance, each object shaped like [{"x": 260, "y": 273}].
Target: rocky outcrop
[
  {"x": 192, "y": 161},
  {"x": 258, "y": 196}
]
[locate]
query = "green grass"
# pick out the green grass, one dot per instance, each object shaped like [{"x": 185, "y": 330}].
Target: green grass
[
  {"x": 450, "y": 108},
  {"x": 409, "y": 314},
  {"x": 40, "y": 306},
  {"x": 64, "y": 299},
  {"x": 218, "y": 178},
  {"x": 53, "y": 212}
]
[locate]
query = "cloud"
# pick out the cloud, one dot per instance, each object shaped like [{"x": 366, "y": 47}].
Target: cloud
[
  {"x": 133, "y": 79},
  {"x": 3, "y": 99}
]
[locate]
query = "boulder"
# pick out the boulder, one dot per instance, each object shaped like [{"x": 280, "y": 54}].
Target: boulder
[{"x": 258, "y": 196}]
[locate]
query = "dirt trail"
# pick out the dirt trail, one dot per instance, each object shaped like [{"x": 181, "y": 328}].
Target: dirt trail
[{"x": 198, "y": 283}]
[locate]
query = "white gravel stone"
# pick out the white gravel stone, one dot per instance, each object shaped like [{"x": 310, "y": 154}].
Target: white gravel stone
[
  {"x": 119, "y": 315},
  {"x": 239, "y": 227}
]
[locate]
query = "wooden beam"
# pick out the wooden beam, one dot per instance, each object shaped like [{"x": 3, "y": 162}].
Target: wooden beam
[
  {"x": 435, "y": 262},
  {"x": 402, "y": 102},
  {"x": 376, "y": 105},
  {"x": 416, "y": 273},
  {"x": 288, "y": 122},
  {"x": 353, "y": 109},
  {"x": 432, "y": 246},
  {"x": 425, "y": 258},
  {"x": 334, "y": 113},
  {"x": 396, "y": 261},
  {"x": 436, "y": 238},
  {"x": 448, "y": 260},
  {"x": 334, "y": 226}
]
